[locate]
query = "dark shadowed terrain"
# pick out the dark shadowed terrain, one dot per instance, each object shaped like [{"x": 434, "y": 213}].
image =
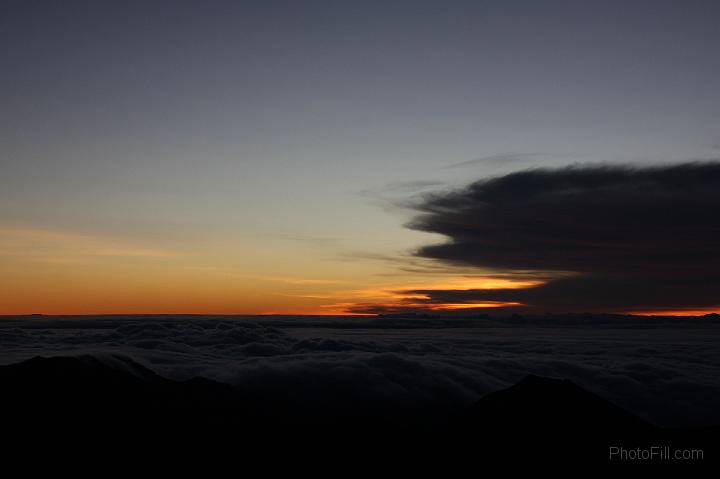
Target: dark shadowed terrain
[{"x": 556, "y": 391}]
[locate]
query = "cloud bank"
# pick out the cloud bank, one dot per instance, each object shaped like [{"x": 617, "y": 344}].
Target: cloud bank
[{"x": 609, "y": 238}]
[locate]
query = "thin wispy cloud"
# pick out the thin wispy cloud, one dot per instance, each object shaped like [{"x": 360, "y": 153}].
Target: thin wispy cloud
[
  {"x": 501, "y": 159},
  {"x": 57, "y": 245}
]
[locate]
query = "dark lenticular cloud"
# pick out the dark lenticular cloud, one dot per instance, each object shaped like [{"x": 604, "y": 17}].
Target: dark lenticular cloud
[{"x": 631, "y": 238}]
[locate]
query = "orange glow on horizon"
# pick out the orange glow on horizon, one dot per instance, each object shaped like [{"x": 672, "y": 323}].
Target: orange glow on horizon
[
  {"x": 479, "y": 304},
  {"x": 677, "y": 312},
  {"x": 59, "y": 272}
]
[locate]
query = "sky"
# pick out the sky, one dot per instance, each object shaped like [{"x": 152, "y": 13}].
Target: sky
[{"x": 283, "y": 156}]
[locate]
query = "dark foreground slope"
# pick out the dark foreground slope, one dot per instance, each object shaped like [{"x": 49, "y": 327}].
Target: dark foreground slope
[{"x": 114, "y": 408}]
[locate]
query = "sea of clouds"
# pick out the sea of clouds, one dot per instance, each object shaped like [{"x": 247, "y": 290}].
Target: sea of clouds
[{"x": 668, "y": 373}]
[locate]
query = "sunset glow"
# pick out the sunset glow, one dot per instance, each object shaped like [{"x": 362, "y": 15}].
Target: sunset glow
[{"x": 182, "y": 159}]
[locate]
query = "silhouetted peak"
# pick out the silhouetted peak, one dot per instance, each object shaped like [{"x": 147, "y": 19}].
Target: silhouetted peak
[{"x": 550, "y": 405}]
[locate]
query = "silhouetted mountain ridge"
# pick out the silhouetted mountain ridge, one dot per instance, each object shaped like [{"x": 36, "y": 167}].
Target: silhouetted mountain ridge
[
  {"x": 536, "y": 402},
  {"x": 83, "y": 399}
]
